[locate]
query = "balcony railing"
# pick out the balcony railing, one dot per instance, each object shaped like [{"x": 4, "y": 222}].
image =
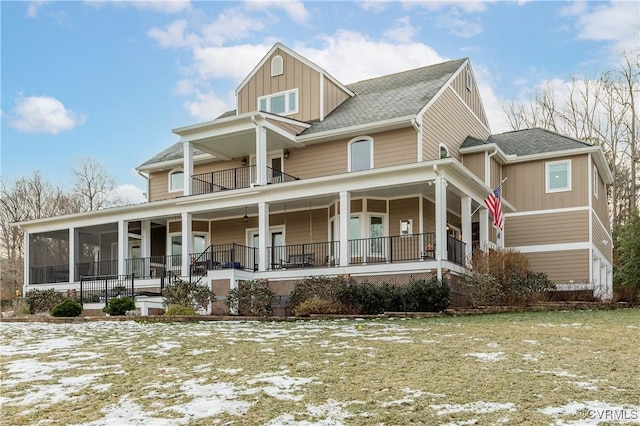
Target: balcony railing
[
  {"x": 239, "y": 177},
  {"x": 163, "y": 267},
  {"x": 311, "y": 255},
  {"x": 49, "y": 274},
  {"x": 399, "y": 248},
  {"x": 99, "y": 289},
  {"x": 103, "y": 267},
  {"x": 234, "y": 256}
]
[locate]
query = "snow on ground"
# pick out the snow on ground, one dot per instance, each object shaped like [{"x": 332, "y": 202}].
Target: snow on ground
[{"x": 486, "y": 356}]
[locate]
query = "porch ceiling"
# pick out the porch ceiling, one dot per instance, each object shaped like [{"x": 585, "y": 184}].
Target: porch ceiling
[{"x": 240, "y": 144}]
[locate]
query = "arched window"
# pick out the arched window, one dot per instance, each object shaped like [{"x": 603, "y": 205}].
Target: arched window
[
  {"x": 277, "y": 66},
  {"x": 444, "y": 151},
  {"x": 176, "y": 180},
  {"x": 360, "y": 154}
]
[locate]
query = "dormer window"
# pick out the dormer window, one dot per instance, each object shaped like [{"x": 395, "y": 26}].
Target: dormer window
[
  {"x": 444, "y": 151},
  {"x": 176, "y": 180},
  {"x": 469, "y": 81},
  {"x": 283, "y": 103},
  {"x": 277, "y": 66}
]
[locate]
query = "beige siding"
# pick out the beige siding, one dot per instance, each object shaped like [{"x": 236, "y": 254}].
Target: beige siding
[
  {"x": 541, "y": 229},
  {"x": 296, "y": 75},
  {"x": 495, "y": 172},
  {"x": 429, "y": 216},
  {"x": 293, "y": 129},
  {"x": 376, "y": 206},
  {"x": 333, "y": 96},
  {"x": 525, "y": 185},
  {"x": 600, "y": 203},
  {"x": 448, "y": 121},
  {"x": 562, "y": 266},
  {"x": 601, "y": 239},
  {"x": 356, "y": 206},
  {"x": 406, "y": 208},
  {"x": 475, "y": 163},
  {"x": 307, "y": 227},
  {"x": 470, "y": 96}
]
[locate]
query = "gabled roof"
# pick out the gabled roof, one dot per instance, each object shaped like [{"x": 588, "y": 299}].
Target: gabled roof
[
  {"x": 528, "y": 142},
  {"x": 390, "y": 96}
]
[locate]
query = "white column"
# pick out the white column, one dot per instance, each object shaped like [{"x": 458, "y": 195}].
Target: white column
[
  {"x": 187, "y": 167},
  {"x": 263, "y": 236},
  {"x": 261, "y": 155},
  {"x": 345, "y": 214},
  {"x": 441, "y": 218},
  {"x": 123, "y": 244},
  {"x": 72, "y": 254},
  {"x": 145, "y": 233},
  {"x": 187, "y": 243},
  {"x": 27, "y": 262},
  {"x": 465, "y": 204},
  {"x": 484, "y": 229}
]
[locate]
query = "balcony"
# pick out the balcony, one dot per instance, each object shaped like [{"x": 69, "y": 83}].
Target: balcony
[{"x": 237, "y": 178}]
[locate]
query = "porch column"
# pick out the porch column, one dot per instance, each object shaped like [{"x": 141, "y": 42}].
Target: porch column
[
  {"x": 484, "y": 229},
  {"x": 345, "y": 214},
  {"x": 123, "y": 243},
  {"x": 145, "y": 233},
  {"x": 421, "y": 223},
  {"x": 72, "y": 254},
  {"x": 187, "y": 167},
  {"x": 187, "y": 243},
  {"x": 261, "y": 155},
  {"x": 441, "y": 222},
  {"x": 27, "y": 262},
  {"x": 263, "y": 236},
  {"x": 465, "y": 204}
]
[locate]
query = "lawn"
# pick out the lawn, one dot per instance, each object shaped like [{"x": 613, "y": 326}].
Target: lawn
[{"x": 529, "y": 368}]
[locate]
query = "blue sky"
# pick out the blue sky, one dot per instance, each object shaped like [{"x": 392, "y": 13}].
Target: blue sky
[{"x": 110, "y": 79}]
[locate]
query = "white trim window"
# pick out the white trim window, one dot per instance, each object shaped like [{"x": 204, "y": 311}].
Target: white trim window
[
  {"x": 469, "y": 80},
  {"x": 596, "y": 180},
  {"x": 277, "y": 66},
  {"x": 176, "y": 180},
  {"x": 443, "y": 151},
  {"x": 283, "y": 103},
  {"x": 360, "y": 154},
  {"x": 558, "y": 176}
]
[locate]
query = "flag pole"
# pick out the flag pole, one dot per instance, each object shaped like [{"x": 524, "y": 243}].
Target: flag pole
[{"x": 501, "y": 182}]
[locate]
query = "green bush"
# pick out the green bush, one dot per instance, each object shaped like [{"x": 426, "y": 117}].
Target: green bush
[
  {"x": 319, "y": 287},
  {"x": 119, "y": 306},
  {"x": 43, "y": 300},
  {"x": 67, "y": 308},
  {"x": 252, "y": 298},
  {"x": 177, "y": 310},
  {"x": 316, "y": 306},
  {"x": 518, "y": 289},
  {"x": 430, "y": 295},
  {"x": 184, "y": 293}
]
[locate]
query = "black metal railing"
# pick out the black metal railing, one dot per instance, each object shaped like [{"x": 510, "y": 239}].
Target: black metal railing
[
  {"x": 103, "y": 267},
  {"x": 199, "y": 264},
  {"x": 239, "y": 177},
  {"x": 398, "y": 248},
  {"x": 49, "y": 274},
  {"x": 456, "y": 250},
  {"x": 234, "y": 256},
  {"x": 166, "y": 268},
  {"x": 99, "y": 289},
  {"x": 310, "y": 255}
]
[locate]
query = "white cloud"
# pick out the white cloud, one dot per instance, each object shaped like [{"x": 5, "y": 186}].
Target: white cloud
[
  {"x": 228, "y": 62},
  {"x": 464, "y": 5},
  {"x": 376, "y": 6},
  {"x": 295, "y": 9},
  {"x": 485, "y": 81},
  {"x": 43, "y": 114},
  {"x": 34, "y": 7},
  {"x": 208, "y": 106},
  {"x": 575, "y": 8},
  {"x": 402, "y": 31},
  {"x": 128, "y": 194},
  {"x": 173, "y": 35},
  {"x": 617, "y": 21},
  {"x": 458, "y": 26},
  {"x": 230, "y": 25},
  {"x": 161, "y": 6}
]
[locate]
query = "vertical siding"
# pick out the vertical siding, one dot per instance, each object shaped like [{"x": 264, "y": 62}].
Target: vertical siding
[
  {"x": 600, "y": 203},
  {"x": 448, "y": 121},
  {"x": 525, "y": 185},
  {"x": 495, "y": 172},
  {"x": 470, "y": 97},
  {"x": 475, "y": 163},
  {"x": 553, "y": 228},
  {"x": 333, "y": 96},
  {"x": 561, "y": 266}
]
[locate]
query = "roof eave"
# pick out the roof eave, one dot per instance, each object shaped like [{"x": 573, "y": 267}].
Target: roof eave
[{"x": 376, "y": 126}]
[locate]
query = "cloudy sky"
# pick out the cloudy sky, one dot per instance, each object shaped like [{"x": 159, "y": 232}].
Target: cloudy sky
[{"x": 110, "y": 79}]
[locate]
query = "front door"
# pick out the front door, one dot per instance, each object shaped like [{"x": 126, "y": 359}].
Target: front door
[
  {"x": 276, "y": 247},
  {"x": 136, "y": 266}
]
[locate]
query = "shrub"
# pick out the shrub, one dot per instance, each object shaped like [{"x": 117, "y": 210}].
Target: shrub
[
  {"x": 316, "y": 306},
  {"x": 317, "y": 287},
  {"x": 43, "y": 300},
  {"x": 430, "y": 295},
  {"x": 21, "y": 306},
  {"x": 67, "y": 308},
  {"x": 481, "y": 289},
  {"x": 252, "y": 298},
  {"x": 119, "y": 306},
  {"x": 177, "y": 310},
  {"x": 184, "y": 293}
]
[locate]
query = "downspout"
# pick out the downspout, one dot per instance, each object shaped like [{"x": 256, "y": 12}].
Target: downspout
[
  {"x": 487, "y": 171},
  {"x": 145, "y": 177},
  {"x": 416, "y": 126}
]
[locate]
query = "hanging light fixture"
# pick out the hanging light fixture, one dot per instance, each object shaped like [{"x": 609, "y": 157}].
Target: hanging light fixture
[
  {"x": 243, "y": 162},
  {"x": 286, "y": 154},
  {"x": 245, "y": 219}
]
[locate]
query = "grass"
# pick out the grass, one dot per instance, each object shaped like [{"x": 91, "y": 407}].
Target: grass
[{"x": 526, "y": 368}]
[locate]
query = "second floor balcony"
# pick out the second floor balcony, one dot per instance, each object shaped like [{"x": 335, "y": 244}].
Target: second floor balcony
[{"x": 236, "y": 178}]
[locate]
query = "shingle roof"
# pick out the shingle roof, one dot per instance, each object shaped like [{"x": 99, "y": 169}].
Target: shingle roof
[
  {"x": 528, "y": 142},
  {"x": 389, "y": 96}
]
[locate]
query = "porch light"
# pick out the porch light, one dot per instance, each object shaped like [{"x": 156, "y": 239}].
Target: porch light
[
  {"x": 244, "y": 161},
  {"x": 245, "y": 219},
  {"x": 286, "y": 154}
]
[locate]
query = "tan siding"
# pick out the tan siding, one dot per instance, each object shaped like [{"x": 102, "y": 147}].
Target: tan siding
[
  {"x": 286, "y": 126},
  {"x": 231, "y": 230},
  {"x": 475, "y": 163},
  {"x": 376, "y": 206},
  {"x": 395, "y": 147},
  {"x": 495, "y": 173},
  {"x": 600, "y": 203},
  {"x": 471, "y": 97},
  {"x": 541, "y": 229},
  {"x": 159, "y": 187},
  {"x": 406, "y": 208},
  {"x": 196, "y": 226},
  {"x": 333, "y": 96},
  {"x": 525, "y": 185},
  {"x": 601, "y": 240},
  {"x": 561, "y": 266},
  {"x": 306, "y": 227},
  {"x": 356, "y": 206},
  {"x": 448, "y": 121},
  {"x": 429, "y": 216}
]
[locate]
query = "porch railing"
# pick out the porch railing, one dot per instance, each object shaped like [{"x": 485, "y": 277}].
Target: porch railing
[
  {"x": 164, "y": 267},
  {"x": 239, "y": 177},
  {"x": 103, "y": 267},
  {"x": 391, "y": 249},
  {"x": 234, "y": 256},
  {"x": 310, "y": 255},
  {"x": 49, "y": 274},
  {"x": 456, "y": 250},
  {"x": 99, "y": 289}
]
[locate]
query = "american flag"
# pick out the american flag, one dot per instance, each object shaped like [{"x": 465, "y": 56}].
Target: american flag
[{"x": 494, "y": 204}]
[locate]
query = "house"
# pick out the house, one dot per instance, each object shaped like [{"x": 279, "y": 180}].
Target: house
[{"x": 384, "y": 179}]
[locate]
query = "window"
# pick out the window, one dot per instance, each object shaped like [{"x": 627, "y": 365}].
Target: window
[
  {"x": 444, "y": 151},
  {"x": 596, "y": 180},
  {"x": 360, "y": 154},
  {"x": 469, "y": 80},
  {"x": 283, "y": 103},
  {"x": 558, "y": 176},
  {"x": 277, "y": 66},
  {"x": 176, "y": 180}
]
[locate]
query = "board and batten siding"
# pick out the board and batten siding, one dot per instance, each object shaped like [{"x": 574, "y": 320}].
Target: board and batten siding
[
  {"x": 543, "y": 229},
  {"x": 448, "y": 121},
  {"x": 601, "y": 239},
  {"x": 600, "y": 203},
  {"x": 495, "y": 172},
  {"x": 475, "y": 163},
  {"x": 296, "y": 75},
  {"x": 525, "y": 187},
  {"x": 561, "y": 266},
  {"x": 333, "y": 96},
  {"x": 470, "y": 96}
]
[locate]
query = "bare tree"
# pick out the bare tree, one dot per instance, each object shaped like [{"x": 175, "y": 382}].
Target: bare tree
[{"x": 93, "y": 186}]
